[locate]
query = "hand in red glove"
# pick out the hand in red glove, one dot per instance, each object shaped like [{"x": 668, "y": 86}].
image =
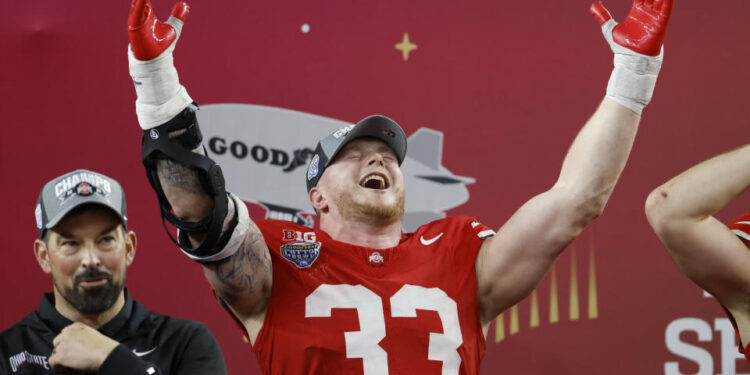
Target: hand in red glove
[
  {"x": 644, "y": 28},
  {"x": 160, "y": 96},
  {"x": 150, "y": 37}
]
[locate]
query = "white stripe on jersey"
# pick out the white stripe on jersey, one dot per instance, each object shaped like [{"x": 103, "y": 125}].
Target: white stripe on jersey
[
  {"x": 741, "y": 234},
  {"x": 486, "y": 233}
]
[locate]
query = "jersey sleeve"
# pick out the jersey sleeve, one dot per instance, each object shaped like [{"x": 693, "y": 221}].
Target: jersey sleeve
[
  {"x": 741, "y": 227},
  {"x": 480, "y": 230},
  {"x": 467, "y": 235}
]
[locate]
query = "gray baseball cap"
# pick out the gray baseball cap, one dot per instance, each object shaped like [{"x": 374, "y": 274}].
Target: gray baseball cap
[
  {"x": 375, "y": 126},
  {"x": 64, "y": 193}
]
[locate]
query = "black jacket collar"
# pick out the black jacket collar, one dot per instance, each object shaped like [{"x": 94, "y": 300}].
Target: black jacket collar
[{"x": 130, "y": 316}]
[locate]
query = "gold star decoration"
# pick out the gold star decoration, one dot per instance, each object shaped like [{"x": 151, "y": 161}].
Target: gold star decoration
[{"x": 406, "y": 46}]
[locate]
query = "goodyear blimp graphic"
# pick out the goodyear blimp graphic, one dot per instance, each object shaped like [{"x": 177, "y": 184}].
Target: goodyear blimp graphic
[{"x": 264, "y": 152}]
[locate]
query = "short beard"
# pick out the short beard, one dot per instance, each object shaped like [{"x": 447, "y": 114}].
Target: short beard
[
  {"x": 92, "y": 300},
  {"x": 369, "y": 213}
]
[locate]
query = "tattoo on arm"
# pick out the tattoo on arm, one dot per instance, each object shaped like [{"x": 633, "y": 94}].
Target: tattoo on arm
[
  {"x": 178, "y": 175},
  {"x": 245, "y": 271}
]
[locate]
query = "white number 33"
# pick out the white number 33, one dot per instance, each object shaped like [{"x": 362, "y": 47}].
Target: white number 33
[{"x": 404, "y": 304}]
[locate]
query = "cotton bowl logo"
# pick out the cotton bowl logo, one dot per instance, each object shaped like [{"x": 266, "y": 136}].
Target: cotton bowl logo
[
  {"x": 263, "y": 152},
  {"x": 302, "y": 254}
]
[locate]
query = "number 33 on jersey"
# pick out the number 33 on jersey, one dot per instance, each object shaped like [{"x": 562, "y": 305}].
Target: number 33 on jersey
[{"x": 336, "y": 308}]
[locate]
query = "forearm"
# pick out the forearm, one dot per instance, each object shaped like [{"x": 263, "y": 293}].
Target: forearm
[
  {"x": 183, "y": 190},
  {"x": 703, "y": 189},
  {"x": 214, "y": 227},
  {"x": 243, "y": 280},
  {"x": 598, "y": 155}
]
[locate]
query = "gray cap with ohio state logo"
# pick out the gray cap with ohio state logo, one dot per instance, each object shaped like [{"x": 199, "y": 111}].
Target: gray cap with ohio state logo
[
  {"x": 375, "y": 126},
  {"x": 64, "y": 193}
]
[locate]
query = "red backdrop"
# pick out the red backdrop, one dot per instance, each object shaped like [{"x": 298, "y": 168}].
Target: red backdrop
[{"x": 508, "y": 82}]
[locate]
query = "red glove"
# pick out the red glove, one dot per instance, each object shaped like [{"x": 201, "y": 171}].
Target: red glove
[
  {"x": 160, "y": 96},
  {"x": 644, "y": 29},
  {"x": 148, "y": 36}
]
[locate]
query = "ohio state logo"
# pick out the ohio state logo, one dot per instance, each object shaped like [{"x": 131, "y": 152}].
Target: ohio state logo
[
  {"x": 376, "y": 258},
  {"x": 84, "y": 189}
]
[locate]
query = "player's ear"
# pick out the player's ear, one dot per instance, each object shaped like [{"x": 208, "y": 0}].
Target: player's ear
[
  {"x": 41, "y": 253},
  {"x": 318, "y": 200}
]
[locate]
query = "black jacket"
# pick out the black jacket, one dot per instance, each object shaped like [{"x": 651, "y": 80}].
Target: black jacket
[{"x": 150, "y": 344}]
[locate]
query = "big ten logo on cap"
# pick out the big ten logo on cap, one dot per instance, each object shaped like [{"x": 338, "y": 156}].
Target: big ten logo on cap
[
  {"x": 343, "y": 131},
  {"x": 98, "y": 182}
]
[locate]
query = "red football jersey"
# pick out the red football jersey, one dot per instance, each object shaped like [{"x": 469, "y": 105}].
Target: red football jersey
[{"x": 337, "y": 308}]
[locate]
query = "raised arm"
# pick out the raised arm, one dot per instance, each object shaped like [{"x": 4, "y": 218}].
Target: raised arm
[
  {"x": 511, "y": 264},
  {"x": 680, "y": 212},
  {"x": 215, "y": 228}
]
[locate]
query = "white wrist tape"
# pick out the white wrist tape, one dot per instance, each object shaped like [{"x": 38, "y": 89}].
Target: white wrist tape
[
  {"x": 235, "y": 205},
  {"x": 157, "y": 86},
  {"x": 634, "y": 77}
]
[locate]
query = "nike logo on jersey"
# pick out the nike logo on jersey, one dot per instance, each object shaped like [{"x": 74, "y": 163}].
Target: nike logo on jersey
[
  {"x": 431, "y": 240},
  {"x": 141, "y": 354}
]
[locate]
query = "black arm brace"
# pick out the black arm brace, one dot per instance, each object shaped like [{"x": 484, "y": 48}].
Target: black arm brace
[{"x": 157, "y": 145}]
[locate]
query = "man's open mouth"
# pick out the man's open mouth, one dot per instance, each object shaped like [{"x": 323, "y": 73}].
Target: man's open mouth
[{"x": 375, "y": 180}]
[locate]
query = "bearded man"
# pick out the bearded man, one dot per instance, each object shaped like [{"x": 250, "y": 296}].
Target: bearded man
[{"x": 89, "y": 324}]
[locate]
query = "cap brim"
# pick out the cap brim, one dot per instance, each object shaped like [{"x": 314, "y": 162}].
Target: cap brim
[{"x": 65, "y": 211}]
